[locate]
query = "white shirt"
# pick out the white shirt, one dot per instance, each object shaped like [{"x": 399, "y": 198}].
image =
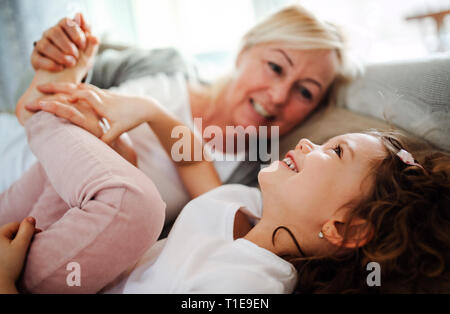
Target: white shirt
[
  {"x": 201, "y": 256},
  {"x": 171, "y": 92}
]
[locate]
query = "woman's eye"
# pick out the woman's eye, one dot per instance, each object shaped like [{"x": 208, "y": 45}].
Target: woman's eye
[
  {"x": 276, "y": 68},
  {"x": 305, "y": 93},
  {"x": 338, "y": 150}
]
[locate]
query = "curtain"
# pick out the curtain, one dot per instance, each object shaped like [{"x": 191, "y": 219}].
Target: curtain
[{"x": 23, "y": 21}]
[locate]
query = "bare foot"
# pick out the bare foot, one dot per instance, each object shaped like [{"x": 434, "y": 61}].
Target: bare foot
[{"x": 70, "y": 75}]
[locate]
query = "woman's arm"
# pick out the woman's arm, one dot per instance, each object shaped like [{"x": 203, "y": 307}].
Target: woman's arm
[
  {"x": 124, "y": 113},
  {"x": 198, "y": 176}
]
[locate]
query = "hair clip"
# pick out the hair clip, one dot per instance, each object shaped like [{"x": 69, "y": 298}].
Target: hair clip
[{"x": 407, "y": 158}]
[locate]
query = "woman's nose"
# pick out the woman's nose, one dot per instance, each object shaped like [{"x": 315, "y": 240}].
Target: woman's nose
[
  {"x": 305, "y": 146},
  {"x": 280, "y": 93}
]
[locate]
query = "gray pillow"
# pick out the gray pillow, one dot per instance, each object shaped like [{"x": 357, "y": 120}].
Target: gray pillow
[
  {"x": 112, "y": 67},
  {"x": 413, "y": 95}
]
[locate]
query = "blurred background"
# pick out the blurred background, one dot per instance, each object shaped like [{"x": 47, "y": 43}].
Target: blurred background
[{"x": 209, "y": 30}]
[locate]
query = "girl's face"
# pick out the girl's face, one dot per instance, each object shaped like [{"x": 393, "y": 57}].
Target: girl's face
[
  {"x": 319, "y": 181},
  {"x": 277, "y": 86}
]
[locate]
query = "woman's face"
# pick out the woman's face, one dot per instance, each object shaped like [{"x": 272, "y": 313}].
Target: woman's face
[
  {"x": 320, "y": 181},
  {"x": 277, "y": 86}
]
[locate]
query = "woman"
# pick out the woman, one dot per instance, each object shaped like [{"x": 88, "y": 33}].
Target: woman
[
  {"x": 381, "y": 206},
  {"x": 286, "y": 67}
]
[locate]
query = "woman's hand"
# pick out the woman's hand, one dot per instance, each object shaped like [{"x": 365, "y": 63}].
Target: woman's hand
[
  {"x": 72, "y": 75},
  {"x": 77, "y": 112},
  {"x": 60, "y": 46},
  {"x": 122, "y": 113},
  {"x": 15, "y": 239},
  {"x": 81, "y": 113}
]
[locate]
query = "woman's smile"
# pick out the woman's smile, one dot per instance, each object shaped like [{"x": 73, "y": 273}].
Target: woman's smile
[
  {"x": 255, "y": 114},
  {"x": 261, "y": 110}
]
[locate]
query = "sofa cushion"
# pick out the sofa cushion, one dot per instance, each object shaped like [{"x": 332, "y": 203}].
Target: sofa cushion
[{"x": 413, "y": 95}]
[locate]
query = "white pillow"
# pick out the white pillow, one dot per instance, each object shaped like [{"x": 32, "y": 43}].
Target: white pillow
[{"x": 15, "y": 155}]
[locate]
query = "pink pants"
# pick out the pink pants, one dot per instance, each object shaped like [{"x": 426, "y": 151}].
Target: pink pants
[{"x": 95, "y": 209}]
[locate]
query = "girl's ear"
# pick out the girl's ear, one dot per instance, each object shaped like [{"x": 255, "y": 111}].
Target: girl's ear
[{"x": 359, "y": 232}]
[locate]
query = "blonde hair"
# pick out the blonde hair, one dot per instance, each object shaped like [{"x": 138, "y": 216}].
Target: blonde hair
[{"x": 297, "y": 28}]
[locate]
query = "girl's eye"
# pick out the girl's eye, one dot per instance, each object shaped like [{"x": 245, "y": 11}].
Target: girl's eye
[
  {"x": 276, "y": 68},
  {"x": 338, "y": 150},
  {"x": 305, "y": 93}
]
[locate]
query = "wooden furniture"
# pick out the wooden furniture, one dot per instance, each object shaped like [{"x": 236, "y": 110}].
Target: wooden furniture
[{"x": 438, "y": 18}]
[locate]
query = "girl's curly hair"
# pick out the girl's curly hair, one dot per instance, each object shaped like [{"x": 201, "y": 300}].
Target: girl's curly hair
[{"x": 408, "y": 212}]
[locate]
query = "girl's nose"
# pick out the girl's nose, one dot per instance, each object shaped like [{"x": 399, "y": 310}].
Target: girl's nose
[{"x": 305, "y": 146}]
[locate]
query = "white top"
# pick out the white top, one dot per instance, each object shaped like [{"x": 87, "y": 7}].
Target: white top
[
  {"x": 201, "y": 256},
  {"x": 171, "y": 92}
]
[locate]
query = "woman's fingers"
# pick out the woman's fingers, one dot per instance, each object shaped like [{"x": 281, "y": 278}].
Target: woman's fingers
[
  {"x": 112, "y": 134},
  {"x": 70, "y": 113},
  {"x": 61, "y": 45},
  {"x": 59, "y": 109},
  {"x": 46, "y": 48},
  {"x": 86, "y": 60},
  {"x": 74, "y": 32},
  {"x": 91, "y": 98},
  {"x": 86, "y": 92},
  {"x": 79, "y": 18},
  {"x": 55, "y": 88},
  {"x": 67, "y": 88},
  {"x": 92, "y": 46},
  {"x": 40, "y": 62},
  {"x": 91, "y": 87},
  {"x": 58, "y": 37}
]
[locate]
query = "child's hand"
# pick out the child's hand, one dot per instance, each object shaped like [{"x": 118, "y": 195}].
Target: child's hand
[
  {"x": 15, "y": 239},
  {"x": 123, "y": 113}
]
